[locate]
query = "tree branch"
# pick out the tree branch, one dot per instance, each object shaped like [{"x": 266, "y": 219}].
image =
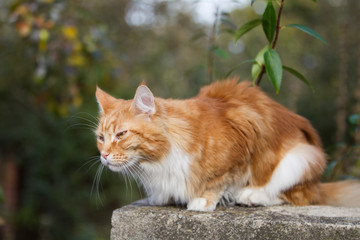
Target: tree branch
[
  {"x": 278, "y": 24},
  {"x": 258, "y": 80}
]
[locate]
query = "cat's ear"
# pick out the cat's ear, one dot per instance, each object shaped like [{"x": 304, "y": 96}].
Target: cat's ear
[
  {"x": 144, "y": 100},
  {"x": 104, "y": 100}
]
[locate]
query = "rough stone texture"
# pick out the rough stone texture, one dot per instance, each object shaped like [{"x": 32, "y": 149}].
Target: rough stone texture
[{"x": 278, "y": 222}]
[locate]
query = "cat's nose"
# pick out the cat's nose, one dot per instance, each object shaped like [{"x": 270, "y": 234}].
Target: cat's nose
[{"x": 104, "y": 155}]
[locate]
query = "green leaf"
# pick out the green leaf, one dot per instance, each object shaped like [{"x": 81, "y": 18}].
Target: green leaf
[
  {"x": 329, "y": 169},
  {"x": 237, "y": 66},
  {"x": 220, "y": 52},
  {"x": 227, "y": 30},
  {"x": 269, "y": 21},
  {"x": 246, "y": 27},
  {"x": 354, "y": 119},
  {"x": 273, "y": 68},
  {"x": 226, "y": 21},
  {"x": 259, "y": 61},
  {"x": 255, "y": 71},
  {"x": 299, "y": 76},
  {"x": 308, "y": 31}
]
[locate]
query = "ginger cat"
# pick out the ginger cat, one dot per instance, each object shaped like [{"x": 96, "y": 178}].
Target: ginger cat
[{"x": 230, "y": 144}]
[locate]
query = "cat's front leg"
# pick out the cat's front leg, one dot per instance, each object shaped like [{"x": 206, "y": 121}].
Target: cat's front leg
[
  {"x": 201, "y": 204},
  {"x": 206, "y": 203}
]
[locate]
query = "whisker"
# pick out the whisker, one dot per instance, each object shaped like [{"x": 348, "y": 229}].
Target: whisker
[
  {"x": 86, "y": 119},
  {"x": 138, "y": 177},
  {"x": 135, "y": 177},
  {"x": 93, "y": 184},
  {"x": 92, "y": 165},
  {"x": 89, "y": 126},
  {"x": 91, "y": 160},
  {"x": 123, "y": 173},
  {"x": 125, "y": 179},
  {"x": 127, "y": 174},
  {"x": 144, "y": 178},
  {"x": 99, "y": 183},
  {"x": 96, "y": 119}
]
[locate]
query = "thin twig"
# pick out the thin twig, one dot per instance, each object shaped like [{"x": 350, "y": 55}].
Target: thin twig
[
  {"x": 258, "y": 80},
  {"x": 260, "y": 75},
  {"x": 212, "y": 39},
  {"x": 278, "y": 24}
]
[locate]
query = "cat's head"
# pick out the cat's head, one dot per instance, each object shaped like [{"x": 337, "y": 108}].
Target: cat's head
[{"x": 130, "y": 131}]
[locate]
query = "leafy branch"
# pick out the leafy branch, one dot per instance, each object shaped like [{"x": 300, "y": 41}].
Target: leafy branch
[
  {"x": 268, "y": 61},
  {"x": 270, "y": 14}
]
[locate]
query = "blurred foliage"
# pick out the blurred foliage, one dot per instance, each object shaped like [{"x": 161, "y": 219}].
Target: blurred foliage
[
  {"x": 53, "y": 53},
  {"x": 1, "y": 195}
]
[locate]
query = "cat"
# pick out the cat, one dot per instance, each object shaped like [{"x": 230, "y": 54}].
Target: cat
[{"x": 230, "y": 144}]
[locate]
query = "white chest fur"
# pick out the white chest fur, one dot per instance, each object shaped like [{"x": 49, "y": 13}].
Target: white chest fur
[{"x": 167, "y": 178}]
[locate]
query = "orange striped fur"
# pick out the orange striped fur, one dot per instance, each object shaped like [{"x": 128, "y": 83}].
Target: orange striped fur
[{"x": 230, "y": 144}]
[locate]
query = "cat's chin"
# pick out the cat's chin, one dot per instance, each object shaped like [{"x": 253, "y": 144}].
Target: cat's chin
[
  {"x": 112, "y": 166},
  {"x": 118, "y": 167},
  {"x": 115, "y": 168}
]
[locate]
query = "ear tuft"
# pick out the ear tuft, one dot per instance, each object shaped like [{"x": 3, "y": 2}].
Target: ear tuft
[
  {"x": 104, "y": 100},
  {"x": 144, "y": 100}
]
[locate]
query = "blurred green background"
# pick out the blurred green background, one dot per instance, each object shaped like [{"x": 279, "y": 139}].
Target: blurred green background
[{"x": 53, "y": 53}]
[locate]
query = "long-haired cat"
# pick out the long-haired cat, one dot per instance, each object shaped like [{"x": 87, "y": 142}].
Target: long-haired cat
[{"x": 230, "y": 143}]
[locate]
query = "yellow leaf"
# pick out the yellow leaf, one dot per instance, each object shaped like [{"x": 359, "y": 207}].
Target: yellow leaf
[
  {"x": 21, "y": 10},
  {"x": 51, "y": 105},
  {"x": 43, "y": 39},
  {"x": 77, "y": 101},
  {"x": 70, "y": 32},
  {"x": 42, "y": 46},
  {"x": 63, "y": 110},
  {"x": 89, "y": 44},
  {"x": 44, "y": 35},
  {"x": 77, "y": 60},
  {"x": 77, "y": 46}
]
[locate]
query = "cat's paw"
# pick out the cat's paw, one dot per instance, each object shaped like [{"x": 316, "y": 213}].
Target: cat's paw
[
  {"x": 201, "y": 204},
  {"x": 256, "y": 197}
]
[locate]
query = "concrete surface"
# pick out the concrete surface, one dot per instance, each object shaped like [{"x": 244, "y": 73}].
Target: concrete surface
[{"x": 278, "y": 222}]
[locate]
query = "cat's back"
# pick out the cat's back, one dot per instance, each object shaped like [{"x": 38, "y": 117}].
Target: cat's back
[
  {"x": 226, "y": 89},
  {"x": 216, "y": 98},
  {"x": 244, "y": 103},
  {"x": 230, "y": 91}
]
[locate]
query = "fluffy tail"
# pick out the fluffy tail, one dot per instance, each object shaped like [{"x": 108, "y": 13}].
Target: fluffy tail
[{"x": 342, "y": 194}]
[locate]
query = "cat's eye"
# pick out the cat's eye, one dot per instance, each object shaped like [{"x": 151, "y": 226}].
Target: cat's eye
[
  {"x": 121, "y": 134},
  {"x": 100, "y": 138}
]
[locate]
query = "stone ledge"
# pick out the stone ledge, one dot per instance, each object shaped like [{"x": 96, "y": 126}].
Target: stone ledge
[{"x": 277, "y": 222}]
